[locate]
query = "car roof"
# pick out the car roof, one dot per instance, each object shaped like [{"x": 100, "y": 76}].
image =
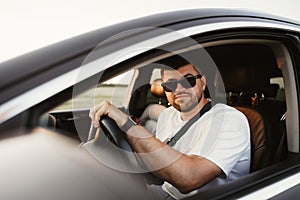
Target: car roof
[{"x": 38, "y": 61}]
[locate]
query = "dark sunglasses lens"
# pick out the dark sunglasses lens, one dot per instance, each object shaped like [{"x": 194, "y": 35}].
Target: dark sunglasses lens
[
  {"x": 170, "y": 86},
  {"x": 188, "y": 82}
]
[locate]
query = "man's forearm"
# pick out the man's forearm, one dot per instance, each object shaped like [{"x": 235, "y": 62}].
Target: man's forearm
[
  {"x": 162, "y": 160},
  {"x": 183, "y": 171}
]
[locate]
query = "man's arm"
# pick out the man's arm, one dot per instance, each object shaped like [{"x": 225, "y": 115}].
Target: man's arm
[{"x": 185, "y": 172}]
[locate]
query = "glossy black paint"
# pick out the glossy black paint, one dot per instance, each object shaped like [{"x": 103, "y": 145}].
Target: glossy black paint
[{"x": 49, "y": 62}]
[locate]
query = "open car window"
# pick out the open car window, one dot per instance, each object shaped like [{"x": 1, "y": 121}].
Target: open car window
[
  {"x": 248, "y": 73},
  {"x": 255, "y": 76}
]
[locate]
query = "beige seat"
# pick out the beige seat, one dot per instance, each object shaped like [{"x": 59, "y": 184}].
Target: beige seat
[{"x": 150, "y": 115}]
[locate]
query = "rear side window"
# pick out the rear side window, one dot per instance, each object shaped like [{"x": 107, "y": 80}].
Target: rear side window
[
  {"x": 259, "y": 74},
  {"x": 250, "y": 74}
]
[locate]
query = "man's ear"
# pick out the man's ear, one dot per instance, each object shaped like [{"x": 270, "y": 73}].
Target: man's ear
[
  {"x": 203, "y": 82},
  {"x": 204, "y": 87}
]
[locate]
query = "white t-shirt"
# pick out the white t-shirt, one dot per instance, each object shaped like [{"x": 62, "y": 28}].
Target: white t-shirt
[{"x": 221, "y": 135}]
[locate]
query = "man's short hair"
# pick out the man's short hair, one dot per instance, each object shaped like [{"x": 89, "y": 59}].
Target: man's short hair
[{"x": 174, "y": 62}]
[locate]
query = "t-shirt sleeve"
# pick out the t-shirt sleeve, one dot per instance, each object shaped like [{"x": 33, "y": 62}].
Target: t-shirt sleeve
[
  {"x": 227, "y": 140},
  {"x": 160, "y": 123}
]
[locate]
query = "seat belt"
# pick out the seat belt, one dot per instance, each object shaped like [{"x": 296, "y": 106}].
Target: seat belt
[
  {"x": 155, "y": 180},
  {"x": 172, "y": 141}
]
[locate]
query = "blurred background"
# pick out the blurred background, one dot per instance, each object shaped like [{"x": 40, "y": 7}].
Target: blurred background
[{"x": 32, "y": 24}]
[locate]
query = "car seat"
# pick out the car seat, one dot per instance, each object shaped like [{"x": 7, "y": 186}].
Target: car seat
[
  {"x": 258, "y": 137},
  {"x": 150, "y": 115},
  {"x": 268, "y": 145}
]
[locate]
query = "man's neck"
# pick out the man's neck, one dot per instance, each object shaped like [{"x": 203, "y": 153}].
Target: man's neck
[{"x": 190, "y": 114}]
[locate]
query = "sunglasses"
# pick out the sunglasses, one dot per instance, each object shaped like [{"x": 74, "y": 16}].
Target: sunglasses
[{"x": 186, "y": 82}]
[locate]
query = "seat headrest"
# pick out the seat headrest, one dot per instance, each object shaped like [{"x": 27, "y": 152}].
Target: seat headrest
[{"x": 156, "y": 88}]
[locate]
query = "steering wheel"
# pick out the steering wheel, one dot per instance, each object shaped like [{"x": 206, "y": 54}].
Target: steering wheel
[
  {"x": 114, "y": 133},
  {"x": 118, "y": 146}
]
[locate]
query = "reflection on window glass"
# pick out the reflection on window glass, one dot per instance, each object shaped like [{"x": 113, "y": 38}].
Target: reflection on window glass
[
  {"x": 277, "y": 83},
  {"x": 277, "y": 80},
  {"x": 113, "y": 90}
]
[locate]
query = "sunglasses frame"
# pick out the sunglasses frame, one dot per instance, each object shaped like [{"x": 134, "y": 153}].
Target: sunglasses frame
[{"x": 168, "y": 88}]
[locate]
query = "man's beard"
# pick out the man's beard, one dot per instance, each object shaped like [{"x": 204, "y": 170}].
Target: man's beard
[{"x": 188, "y": 105}]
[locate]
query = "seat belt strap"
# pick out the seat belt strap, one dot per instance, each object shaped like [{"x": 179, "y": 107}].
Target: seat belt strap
[{"x": 171, "y": 142}]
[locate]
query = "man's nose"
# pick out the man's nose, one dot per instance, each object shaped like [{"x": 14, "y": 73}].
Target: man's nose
[{"x": 179, "y": 87}]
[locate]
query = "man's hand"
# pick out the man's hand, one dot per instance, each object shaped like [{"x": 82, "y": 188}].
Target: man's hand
[
  {"x": 106, "y": 108},
  {"x": 186, "y": 172}
]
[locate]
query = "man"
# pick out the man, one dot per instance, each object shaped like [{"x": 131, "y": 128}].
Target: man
[{"x": 214, "y": 150}]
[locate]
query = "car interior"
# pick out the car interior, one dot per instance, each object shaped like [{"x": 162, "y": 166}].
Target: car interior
[
  {"x": 248, "y": 72},
  {"x": 249, "y": 76}
]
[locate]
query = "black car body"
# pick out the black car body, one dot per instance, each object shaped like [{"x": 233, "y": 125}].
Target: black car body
[{"x": 256, "y": 55}]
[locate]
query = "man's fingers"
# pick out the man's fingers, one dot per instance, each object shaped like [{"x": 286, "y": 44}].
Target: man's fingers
[
  {"x": 99, "y": 110},
  {"x": 91, "y": 114},
  {"x": 97, "y": 117}
]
